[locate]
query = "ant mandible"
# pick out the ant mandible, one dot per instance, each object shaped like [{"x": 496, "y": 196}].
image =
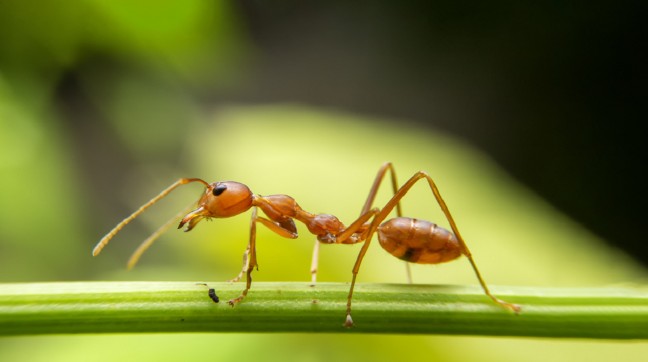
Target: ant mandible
[{"x": 409, "y": 239}]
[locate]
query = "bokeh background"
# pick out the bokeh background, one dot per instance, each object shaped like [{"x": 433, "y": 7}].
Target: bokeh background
[{"x": 527, "y": 115}]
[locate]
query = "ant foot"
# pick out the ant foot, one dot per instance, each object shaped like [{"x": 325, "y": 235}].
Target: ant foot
[
  {"x": 515, "y": 308},
  {"x": 348, "y": 323},
  {"x": 235, "y": 301}
]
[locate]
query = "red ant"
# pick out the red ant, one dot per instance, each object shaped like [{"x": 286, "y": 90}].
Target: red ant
[{"x": 409, "y": 239}]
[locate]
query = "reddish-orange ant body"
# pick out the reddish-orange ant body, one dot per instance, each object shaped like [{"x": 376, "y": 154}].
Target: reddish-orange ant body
[{"x": 409, "y": 239}]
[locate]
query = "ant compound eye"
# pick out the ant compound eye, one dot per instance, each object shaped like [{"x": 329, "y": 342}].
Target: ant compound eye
[{"x": 219, "y": 189}]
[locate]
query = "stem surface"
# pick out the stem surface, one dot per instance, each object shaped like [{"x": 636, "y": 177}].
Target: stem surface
[{"x": 117, "y": 307}]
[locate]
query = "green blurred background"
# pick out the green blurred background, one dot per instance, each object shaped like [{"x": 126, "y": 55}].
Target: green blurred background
[{"x": 105, "y": 103}]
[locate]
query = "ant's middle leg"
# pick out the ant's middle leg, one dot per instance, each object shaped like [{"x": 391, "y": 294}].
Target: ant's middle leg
[
  {"x": 382, "y": 171},
  {"x": 352, "y": 234},
  {"x": 314, "y": 263}
]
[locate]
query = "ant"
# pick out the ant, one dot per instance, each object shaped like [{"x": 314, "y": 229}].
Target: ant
[{"x": 409, "y": 239}]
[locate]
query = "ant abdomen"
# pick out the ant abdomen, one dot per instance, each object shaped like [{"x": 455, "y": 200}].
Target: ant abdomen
[{"x": 418, "y": 241}]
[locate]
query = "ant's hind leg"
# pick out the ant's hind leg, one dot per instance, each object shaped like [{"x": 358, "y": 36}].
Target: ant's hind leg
[
  {"x": 464, "y": 247},
  {"x": 382, "y": 215},
  {"x": 465, "y": 251}
]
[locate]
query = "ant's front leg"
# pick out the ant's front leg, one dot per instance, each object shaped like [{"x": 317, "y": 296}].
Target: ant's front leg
[
  {"x": 250, "y": 256},
  {"x": 285, "y": 228},
  {"x": 245, "y": 266}
]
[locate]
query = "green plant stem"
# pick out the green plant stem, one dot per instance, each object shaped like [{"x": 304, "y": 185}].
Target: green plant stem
[{"x": 116, "y": 307}]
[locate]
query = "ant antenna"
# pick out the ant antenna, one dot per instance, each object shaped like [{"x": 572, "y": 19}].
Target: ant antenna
[{"x": 106, "y": 239}]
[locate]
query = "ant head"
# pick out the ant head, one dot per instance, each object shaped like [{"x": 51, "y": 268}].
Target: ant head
[{"x": 221, "y": 199}]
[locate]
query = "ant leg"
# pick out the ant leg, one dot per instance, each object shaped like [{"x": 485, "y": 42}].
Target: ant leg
[
  {"x": 359, "y": 225},
  {"x": 245, "y": 266},
  {"x": 365, "y": 214},
  {"x": 465, "y": 251},
  {"x": 274, "y": 226},
  {"x": 387, "y": 166},
  {"x": 356, "y": 267},
  {"x": 252, "y": 261},
  {"x": 354, "y": 233},
  {"x": 314, "y": 263},
  {"x": 378, "y": 219},
  {"x": 278, "y": 228}
]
